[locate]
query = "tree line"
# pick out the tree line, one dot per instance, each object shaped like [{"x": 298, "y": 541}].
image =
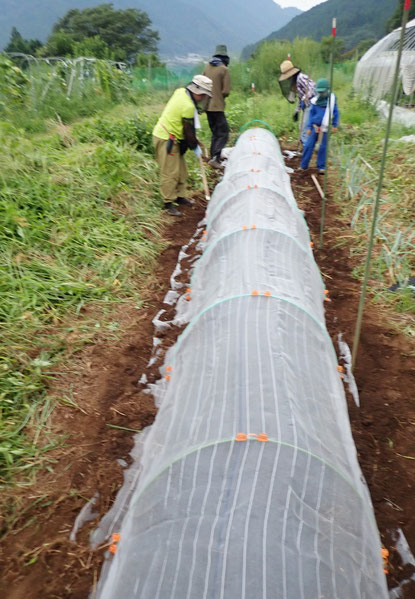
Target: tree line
[{"x": 99, "y": 32}]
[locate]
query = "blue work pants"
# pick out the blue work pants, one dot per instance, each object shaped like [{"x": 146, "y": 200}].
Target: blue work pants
[
  {"x": 303, "y": 132},
  {"x": 309, "y": 148}
]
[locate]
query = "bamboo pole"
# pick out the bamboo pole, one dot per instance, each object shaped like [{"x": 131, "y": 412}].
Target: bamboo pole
[
  {"x": 317, "y": 184},
  {"x": 405, "y": 16},
  {"x": 323, "y": 205},
  {"x": 205, "y": 183}
]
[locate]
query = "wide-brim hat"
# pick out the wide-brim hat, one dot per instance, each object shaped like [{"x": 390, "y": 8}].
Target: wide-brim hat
[
  {"x": 201, "y": 85},
  {"x": 288, "y": 70},
  {"x": 221, "y": 50}
]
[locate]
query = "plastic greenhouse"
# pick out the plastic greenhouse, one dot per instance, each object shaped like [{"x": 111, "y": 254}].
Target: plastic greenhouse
[
  {"x": 247, "y": 484},
  {"x": 375, "y": 70}
]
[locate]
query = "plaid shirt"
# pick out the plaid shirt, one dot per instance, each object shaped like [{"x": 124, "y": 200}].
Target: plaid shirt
[{"x": 306, "y": 88}]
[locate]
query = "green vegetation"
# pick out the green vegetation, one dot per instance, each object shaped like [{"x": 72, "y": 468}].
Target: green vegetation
[
  {"x": 81, "y": 216},
  {"x": 356, "y": 20},
  {"x": 396, "y": 19},
  {"x": 81, "y": 224},
  {"x": 18, "y": 44},
  {"x": 117, "y": 34}
]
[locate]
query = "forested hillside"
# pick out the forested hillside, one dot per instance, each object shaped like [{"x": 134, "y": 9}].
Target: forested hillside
[
  {"x": 184, "y": 26},
  {"x": 356, "y": 21}
]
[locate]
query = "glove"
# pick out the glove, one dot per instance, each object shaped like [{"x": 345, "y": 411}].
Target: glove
[
  {"x": 295, "y": 116},
  {"x": 198, "y": 151}
]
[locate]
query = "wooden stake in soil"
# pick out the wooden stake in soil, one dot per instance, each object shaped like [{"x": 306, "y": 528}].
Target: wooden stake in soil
[
  {"x": 205, "y": 183},
  {"x": 323, "y": 207},
  {"x": 405, "y": 15},
  {"x": 317, "y": 184}
]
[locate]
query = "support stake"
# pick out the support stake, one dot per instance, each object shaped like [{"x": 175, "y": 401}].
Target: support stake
[{"x": 323, "y": 207}]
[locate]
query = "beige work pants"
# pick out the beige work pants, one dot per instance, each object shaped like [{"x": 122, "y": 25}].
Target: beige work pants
[{"x": 173, "y": 171}]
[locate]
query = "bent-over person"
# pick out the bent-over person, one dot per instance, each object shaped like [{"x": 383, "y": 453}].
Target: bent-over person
[{"x": 174, "y": 133}]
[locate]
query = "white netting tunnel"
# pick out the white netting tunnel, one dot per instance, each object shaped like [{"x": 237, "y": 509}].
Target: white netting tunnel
[
  {"x": 375, "y": 70},
  {"x": 249, "y": 484}
]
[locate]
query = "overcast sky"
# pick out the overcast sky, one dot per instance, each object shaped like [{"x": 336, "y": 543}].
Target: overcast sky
[{"x": 301, "y": 4}]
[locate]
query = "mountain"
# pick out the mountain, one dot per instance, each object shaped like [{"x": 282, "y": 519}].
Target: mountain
[
  {"x": 356, "y": 21},
  {"x": 185, "y": 26}
]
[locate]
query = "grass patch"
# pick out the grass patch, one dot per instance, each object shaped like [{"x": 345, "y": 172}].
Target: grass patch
[{"x": 81, "y": 225}]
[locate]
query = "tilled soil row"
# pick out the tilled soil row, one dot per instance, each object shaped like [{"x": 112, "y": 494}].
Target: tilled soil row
[{"x": 38, "y": 559}]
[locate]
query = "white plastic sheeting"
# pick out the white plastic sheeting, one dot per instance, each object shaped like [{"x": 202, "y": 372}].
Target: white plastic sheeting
[
  {"x": 375, "y": 70},
  {"x": 249, "y": 484}
]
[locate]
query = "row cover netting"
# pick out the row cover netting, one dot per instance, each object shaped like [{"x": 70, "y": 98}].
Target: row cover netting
[{"x": 248, "y": 482}]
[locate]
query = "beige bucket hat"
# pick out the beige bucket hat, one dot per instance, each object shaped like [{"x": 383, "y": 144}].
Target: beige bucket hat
[
  {"x": 201, "y": 85},
  {"x": 288, "y": 70}
]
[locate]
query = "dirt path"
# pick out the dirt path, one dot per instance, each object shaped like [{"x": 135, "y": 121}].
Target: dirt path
[{"x": 39, "y": 561}]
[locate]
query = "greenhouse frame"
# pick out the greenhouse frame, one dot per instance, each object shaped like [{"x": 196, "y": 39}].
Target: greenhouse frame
[{"x": 375, "y": 71}]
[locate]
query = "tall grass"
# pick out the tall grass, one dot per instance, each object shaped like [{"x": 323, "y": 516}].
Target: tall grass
[{"x": 80, "y": 224}]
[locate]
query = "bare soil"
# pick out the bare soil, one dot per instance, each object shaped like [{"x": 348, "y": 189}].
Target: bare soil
[{"x": 40, "y": 562}]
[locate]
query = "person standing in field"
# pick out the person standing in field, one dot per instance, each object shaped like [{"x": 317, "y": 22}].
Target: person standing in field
[
  {"x": 218, "y": 71},
  {"x": 173, "y": 134},
  {"x": 295, "y": 83},
  {"x": 323, "y": 109}
]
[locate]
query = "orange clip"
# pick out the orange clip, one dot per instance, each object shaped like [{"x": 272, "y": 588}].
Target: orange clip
[
  {"x": 326, "y": 291},
  {"x": 311, "y": 244},
  {"x": 255, "y": 292},
  {"x": 113, "y": 548},
  {"x": 253, "y": 226},
  {"x": 167, "y": 377},
  {"x": 256, "y": 186},
  {"x": 187, "y": 298},
  {"x": 188, "y": 290},
  {"x": 249, "y": 187},
  {"x": 262, "y": 437},
  {"x": 204, "y": 232},
  {"x": 385, "y": 555},
  {"x": 116, "y": 537},
  {"x": 340, "y": 368},
  {"x": 244, "y": 228},
  {"x": 267, "y": 293},
  {"x": 169, "y": 368},
  {"x": 241, "y": 437}
]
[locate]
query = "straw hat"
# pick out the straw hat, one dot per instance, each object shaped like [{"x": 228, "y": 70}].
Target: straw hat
[
  {"x": 288, "y": 70},
  {"x": 201, "y": 85}
]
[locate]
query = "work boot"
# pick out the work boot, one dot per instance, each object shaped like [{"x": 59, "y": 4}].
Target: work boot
[
  {"x": 185, "y": 201},
  {"x": 171, "y": 209},
  {"x": 216, "y": 164},
  {"x": 321, "y": 171}
]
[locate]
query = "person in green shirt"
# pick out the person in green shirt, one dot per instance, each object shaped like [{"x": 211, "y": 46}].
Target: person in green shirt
[{"x": 174, "y": 133}]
